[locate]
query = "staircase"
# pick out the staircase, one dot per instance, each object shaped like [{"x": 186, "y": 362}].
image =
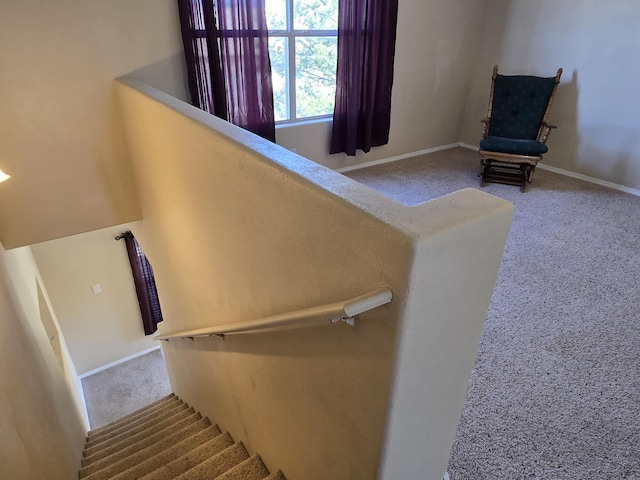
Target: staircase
[{"x": 168, "y": 440}]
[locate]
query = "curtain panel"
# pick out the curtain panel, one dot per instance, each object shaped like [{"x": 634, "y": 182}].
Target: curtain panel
[
  {"x": 364, "y": 76},
  {"x": 204, "y": 71},
  {"x": 244, "y": 49},
  {"x": 145, "y": 284},
  {"x": 226, "y": 47}
]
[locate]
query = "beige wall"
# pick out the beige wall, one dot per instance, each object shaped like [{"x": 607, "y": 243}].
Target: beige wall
[
  {"x": 102, "y": 328},
  {"x": 436, "y": 48},
  {"x": 595, "y": 109},
  {"x": 238, "y": 228},
  {"x": 61, "y": 140},
  {"x": 59, "y": 136},
  {"x": 42, "y": 432}
]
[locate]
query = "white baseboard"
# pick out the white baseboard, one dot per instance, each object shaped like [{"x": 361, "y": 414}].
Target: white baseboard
[
  {"x": 469, "y": 146},
  {"x": 118, "y": 362},
  {"x": 542, "y": 166},
  {"x": 586, "y": 178},
  {"x": 395, "y": 159}
]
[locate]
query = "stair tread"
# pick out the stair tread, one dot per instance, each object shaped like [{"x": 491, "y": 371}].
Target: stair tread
[
  {"x": 146, "y": 428},
  {"x": 139, "y": 418},
  {"x": 182, "y": 418},
  {"x": 149, "y": 445},
  {"x": 217, "y": 465},
  {"x": 192, "y": 459},
  {"x": 153, "y": 444},
  {"x": 163, "y": 457},
  {"x": 153, "y": 416},
  {"x": 250, "y": 469},
  {"x": 128, "y": 416},
  {"x": 120, "y": 424}
]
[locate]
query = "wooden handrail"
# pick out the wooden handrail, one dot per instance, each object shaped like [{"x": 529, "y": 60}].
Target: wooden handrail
[{"x": 346, "y": 310}]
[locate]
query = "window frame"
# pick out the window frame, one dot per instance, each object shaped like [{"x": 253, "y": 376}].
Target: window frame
[{"x": 290, "y": 34}]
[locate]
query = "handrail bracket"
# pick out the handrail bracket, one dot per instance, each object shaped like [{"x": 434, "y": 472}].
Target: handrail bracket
[{"x": 351, "y": 321}]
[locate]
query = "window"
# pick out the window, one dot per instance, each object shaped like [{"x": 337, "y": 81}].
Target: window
[{"x": 303, "y": 47}]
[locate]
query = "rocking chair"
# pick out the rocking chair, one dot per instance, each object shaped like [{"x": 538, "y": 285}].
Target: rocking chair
[{"x": 515, "y": 131}]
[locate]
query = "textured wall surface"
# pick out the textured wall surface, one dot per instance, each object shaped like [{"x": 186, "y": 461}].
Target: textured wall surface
[
  {"x": 103, "y": 328},
  {"x": 238, "y": 228},
  {"x": 42, "y": 433},
  {"x": 59, "y": 135}
]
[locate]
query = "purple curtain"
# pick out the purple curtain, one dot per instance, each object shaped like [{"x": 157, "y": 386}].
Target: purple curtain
[
  {"x": 145, "y": 284},
  {"x": 244, "y": 49},
  {"x": 204, "y": 71},
  {"x": 364, "y": 77},
  {"x": 232, "y": 35}
]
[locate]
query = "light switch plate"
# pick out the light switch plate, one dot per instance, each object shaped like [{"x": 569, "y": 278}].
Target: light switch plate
[{"x": 96, "y": 289}]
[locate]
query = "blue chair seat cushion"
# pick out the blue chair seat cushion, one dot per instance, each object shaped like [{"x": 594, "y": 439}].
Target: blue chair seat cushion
[{"x": 514, "y": 146}]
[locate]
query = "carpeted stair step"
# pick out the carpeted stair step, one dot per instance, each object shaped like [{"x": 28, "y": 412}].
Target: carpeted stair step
[
  {"x": 160, "y": 441},
  {"x": 168, "y": 440},
  {"x": 123, "y": 421},
  {"x": 148, "y": 425},
  {"x": 182, "y": 418},
  {"x": 250, "y": 469},
  {"x": 129, "y": 416},
  {"x": 153, "y": 414},
  {"x": 162, "y": 458},
  {"x": 191, "y": 459},
  {"x": 154, "y": 456},
  {"x": 217, "y": 465}
]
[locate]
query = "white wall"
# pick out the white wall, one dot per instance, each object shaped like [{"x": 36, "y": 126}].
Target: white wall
[
  {"x": 103, "y": 328},
  {"x": 238, "y": 228},
  {"x": 59, "y": 135},
  {"x": 436, "y": 47},
  {"x": 42, "y": 428},
  {"x": 596, "y": 105}
]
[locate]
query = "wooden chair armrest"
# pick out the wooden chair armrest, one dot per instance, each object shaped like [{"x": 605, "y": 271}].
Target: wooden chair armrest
[
  {"x": 485, "y": 126},
  {"x": 546, "y": 130}
]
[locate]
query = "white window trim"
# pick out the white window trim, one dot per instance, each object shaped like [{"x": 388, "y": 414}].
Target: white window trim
[{"x": 290, "y": 36}]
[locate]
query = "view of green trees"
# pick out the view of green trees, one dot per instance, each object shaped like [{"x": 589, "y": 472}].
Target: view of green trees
[{"x": 313, "y": 71}]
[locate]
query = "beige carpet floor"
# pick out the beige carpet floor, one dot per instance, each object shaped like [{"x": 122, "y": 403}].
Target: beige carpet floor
[
  {"x": 555, "y": 391},
  {"x": 121, "y": 389}
]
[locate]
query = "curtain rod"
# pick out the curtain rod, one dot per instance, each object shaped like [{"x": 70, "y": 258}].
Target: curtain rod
[{"x": 122, "y": 235}]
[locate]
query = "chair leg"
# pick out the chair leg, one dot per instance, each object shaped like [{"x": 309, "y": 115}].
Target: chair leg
[
  {"x": 526, "y": 176},
  {"x": 481, "y": 172}
]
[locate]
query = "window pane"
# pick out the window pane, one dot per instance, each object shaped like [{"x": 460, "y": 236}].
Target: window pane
[
  {"x": 278, "y": 54},
  {"x": 315, "y": 14},
  {"x": 315, "y": 75},
  {"x": 276, "y": 11}
]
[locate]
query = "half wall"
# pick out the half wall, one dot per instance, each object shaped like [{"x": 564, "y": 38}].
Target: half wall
[{"x": 238, "y": 228}]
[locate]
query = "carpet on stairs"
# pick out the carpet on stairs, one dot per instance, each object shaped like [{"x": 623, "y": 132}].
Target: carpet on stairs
[
  {"x": 168, "y": 440},
  {"x": 166, "y": 409},
  {"x": 133, "y": 415}
]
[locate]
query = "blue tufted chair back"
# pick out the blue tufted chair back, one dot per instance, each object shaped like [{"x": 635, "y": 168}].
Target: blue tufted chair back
[{"x": 519, "y": 103}]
